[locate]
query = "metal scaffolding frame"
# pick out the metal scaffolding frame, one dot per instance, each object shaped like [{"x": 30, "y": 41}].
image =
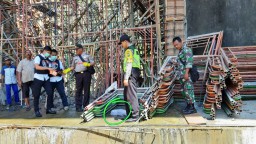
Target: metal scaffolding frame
[{"x": 96, "y": 24}]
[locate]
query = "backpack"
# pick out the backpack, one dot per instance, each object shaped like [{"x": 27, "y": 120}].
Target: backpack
[{"x": 194, "y": 74}]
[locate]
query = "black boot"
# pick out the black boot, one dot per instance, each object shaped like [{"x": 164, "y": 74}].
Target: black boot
[
  {"x": 186, "y": 108},
  {"x": 38, "y": 114},
  {"x": 79, "y": 110},
  {"x": 191, "y": 109},
  {"x": 50, "y": 112}
]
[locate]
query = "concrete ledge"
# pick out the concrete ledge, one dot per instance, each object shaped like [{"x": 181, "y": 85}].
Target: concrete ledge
[{"x": 110, "y": 135}]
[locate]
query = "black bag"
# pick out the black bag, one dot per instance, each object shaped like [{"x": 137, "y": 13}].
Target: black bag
[
  {"x": 90, "y": 69},
  {"x": 194, "y": 74}
]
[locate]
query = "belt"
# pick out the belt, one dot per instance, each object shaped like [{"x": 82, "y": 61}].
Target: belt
[
  {"x": 80, "y": 72},
  {"x": 135, "y": 68}
]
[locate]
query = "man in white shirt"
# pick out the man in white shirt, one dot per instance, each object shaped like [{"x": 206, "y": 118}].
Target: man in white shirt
[
  {"x": 57, "y": 81},
  {"x": 41, "y": 79},
  {"x": 8, "y": 74},
  {"x": 25, "y": 76}
]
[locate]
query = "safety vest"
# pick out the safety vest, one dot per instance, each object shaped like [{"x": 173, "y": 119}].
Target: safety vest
[
  {"x": 44, "y": 62},
  {"x": 131, "y": 55}
]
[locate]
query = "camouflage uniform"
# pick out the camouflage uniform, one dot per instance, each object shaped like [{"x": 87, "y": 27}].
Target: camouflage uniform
[{"x": 185, "y": 54}]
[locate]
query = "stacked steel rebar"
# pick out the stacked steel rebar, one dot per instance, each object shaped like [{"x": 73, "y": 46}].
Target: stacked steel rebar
[
  {"x": 231, "y": 62},
  {"x": 214, "y": 85},
  {"x": 221, "y": 76},
  {"x": 165, "y": 92},
  {"x": 246, "y": 64},
  {"x": 231, "y": 95},
  {"x": 97, "y": 106},
  {"x": 158, "y": 97}
]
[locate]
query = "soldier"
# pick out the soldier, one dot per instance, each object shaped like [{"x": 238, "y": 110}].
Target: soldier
[
  {"x": 82, "y": 63},
  {"x": 185, "y": 62},
  {"x": 131, "y": 67}
]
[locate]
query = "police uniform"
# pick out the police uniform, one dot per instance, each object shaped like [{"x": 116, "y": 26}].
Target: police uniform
[
  {"x": 83, "y": 79},
  {"x": 41, "y": 79},
  {"x": 185, "y": 56},
  {"x": 131, "y": 67},
  {"x": 57, "y": 82}
]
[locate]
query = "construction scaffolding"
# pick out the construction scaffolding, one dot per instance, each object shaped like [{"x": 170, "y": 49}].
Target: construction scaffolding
[{"x": 96, "y": 24}]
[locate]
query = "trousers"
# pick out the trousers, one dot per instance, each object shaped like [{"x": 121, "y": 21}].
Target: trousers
[
  {"x": 83, "y": 83},
  {"x": 187, "y": 90},
  {"x": 8, "y": 93}
]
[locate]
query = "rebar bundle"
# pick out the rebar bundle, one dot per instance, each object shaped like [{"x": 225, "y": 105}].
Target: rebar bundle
[
  {"x": 97, "y": 106},
  {"x": 158, "y": 97},
  {"x": 245, "y": 60},
  {"x": 224, "y": 80}
]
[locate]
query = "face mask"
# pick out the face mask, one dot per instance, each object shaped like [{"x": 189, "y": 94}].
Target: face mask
[
  {"x": 53, "y": 58},
  {"x": 46, "y": 55}
]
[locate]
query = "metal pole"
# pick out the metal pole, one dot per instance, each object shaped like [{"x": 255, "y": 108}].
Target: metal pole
[
  {"x": 1, "y": 54},
  {"x": 158, "y": 33}
]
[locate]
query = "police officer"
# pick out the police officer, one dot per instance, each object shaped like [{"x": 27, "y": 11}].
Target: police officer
[
  {"x": 131, "y": 67},
  {"x": 81, "y": 64},
  {"x": 57, "y": 81},
  {"x": 185, "y": 62},
  {"x": 41, "y": 79}
]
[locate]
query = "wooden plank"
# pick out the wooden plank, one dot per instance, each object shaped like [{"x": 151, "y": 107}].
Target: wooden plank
[{"x": 195, "y": 119}]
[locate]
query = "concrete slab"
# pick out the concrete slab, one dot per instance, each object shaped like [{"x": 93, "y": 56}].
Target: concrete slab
[
  {"x": 72, "y": 118},
  {"x": 173, "y": 117},
  {"x": 195, "y": 119},
  {"x": 246, "y": 118}
]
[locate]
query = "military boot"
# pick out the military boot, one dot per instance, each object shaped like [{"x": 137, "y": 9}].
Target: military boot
[
  {"x": 186, "y": 108},
  {"x": 191, "y": 109}
]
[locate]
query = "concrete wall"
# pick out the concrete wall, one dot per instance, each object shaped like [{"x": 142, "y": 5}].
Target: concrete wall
[
  {"x": 136, "y": 135},
  {"x": 236, "y": 17}
]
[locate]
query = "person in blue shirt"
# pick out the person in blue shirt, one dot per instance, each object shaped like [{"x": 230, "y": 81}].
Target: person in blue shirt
[{"x": 9, "y": 75}]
